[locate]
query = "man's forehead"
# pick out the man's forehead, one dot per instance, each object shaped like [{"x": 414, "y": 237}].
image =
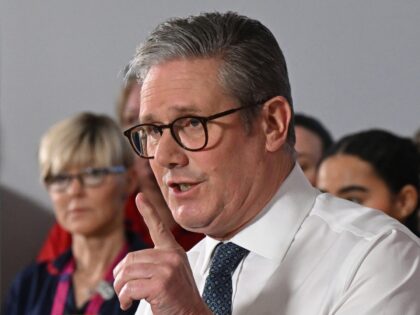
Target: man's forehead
[
  {"x": 175, "y": 110},
  {"x": 180, "y": 87}
]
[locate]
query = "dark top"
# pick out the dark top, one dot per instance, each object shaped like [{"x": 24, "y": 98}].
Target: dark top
[{"x": 33, "y": 290}]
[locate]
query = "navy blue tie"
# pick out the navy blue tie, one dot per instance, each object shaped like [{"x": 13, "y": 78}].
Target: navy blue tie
[{"x": 217, "y": 292}]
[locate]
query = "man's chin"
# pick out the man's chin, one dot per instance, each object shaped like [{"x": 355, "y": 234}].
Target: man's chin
[
  {"x": 190, "y": 220},
  {"x": 191, "y": 225}
]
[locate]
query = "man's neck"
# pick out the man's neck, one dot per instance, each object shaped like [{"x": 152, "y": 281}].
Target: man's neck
[{"x": 272, "y": 178}]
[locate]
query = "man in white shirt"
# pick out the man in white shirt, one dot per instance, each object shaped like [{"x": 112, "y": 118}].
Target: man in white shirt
[{"x": 217, "y": 125}]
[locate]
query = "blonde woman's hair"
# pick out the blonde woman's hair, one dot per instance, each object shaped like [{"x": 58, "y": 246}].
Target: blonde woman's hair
[{"x": 86, "y": 139}]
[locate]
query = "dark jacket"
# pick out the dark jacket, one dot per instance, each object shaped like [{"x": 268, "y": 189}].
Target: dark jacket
[{"x": 33, "y": 290}]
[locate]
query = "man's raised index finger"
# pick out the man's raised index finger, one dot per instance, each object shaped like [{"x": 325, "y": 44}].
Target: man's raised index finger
[{"x": 161, "y": 235}]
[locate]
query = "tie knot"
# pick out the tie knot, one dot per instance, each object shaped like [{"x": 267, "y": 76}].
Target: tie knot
[{"x": 226, "y": 258}]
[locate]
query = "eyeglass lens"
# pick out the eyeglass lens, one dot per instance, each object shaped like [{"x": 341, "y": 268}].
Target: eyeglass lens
[
  {"x": 189, "y": 132},
  {"x": 90, "y": 177}
]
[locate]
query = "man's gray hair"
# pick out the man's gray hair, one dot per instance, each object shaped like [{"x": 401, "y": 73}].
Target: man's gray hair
[{"x": 253, "y": 68}]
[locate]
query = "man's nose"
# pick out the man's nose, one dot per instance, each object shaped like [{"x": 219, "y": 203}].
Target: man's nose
[{"x": 169, "y": 153}]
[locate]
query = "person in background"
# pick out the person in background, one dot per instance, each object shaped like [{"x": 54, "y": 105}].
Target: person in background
[
  {"x": 87, "y": 168},
  {"x": 128, "y": 104},
  {"x": 312, "y": 141},
  {"x": 416, "y": 139},
  {"x": 216, "y": 124},
  {"x": 377, "y": 169}
]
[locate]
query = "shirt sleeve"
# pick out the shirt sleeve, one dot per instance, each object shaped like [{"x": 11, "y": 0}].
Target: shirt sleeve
[{"x": 385, "y": 278}]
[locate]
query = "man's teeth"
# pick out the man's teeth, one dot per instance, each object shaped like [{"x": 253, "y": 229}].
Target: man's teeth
[{"x": 184, "y": 187}]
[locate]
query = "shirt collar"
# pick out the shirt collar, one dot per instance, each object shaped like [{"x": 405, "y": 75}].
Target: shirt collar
[
  {"x": 272, "y": 231},
  {"x": 209, "y": 245}
]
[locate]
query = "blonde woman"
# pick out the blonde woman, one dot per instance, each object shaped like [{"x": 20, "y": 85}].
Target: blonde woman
[{"x": 88, "y": 172}]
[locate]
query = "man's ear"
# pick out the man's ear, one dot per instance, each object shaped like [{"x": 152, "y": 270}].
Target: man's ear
[
  {"x": 276, "y": 115},
  {"x": 405, "y": 203}
]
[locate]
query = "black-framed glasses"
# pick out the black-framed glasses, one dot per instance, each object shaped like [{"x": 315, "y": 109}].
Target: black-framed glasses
[
  {"x": 89, "y": 177},
  {"x": 190, "y": 132}
]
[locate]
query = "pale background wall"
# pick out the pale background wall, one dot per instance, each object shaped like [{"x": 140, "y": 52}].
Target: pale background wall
[{"x": 354, "y": 64}]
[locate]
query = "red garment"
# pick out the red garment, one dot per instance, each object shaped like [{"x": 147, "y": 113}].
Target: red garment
[{"x": 59, "y": 240}]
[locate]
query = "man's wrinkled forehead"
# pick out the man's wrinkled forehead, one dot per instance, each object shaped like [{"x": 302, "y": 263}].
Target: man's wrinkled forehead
[
  {"x": 174, "y": 111},
  {"x": 178, "y": 87},
  {"x": 159, "y": 98}
]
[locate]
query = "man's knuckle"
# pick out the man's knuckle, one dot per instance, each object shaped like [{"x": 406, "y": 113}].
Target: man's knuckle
[
  {"x": 174, "y": 259},
  {"x": 129, "y": 259}
]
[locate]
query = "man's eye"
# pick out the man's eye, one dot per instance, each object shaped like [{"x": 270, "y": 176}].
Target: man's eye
[
  {"x": 155, "y": 130},
  {"x": 191, "y": 123},
  {"x": 152, "y": 131},
  {"x": 194, "y": 122}
]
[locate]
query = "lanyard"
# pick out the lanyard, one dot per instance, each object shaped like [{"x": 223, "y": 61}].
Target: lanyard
[{"x": 96, "y": 301}]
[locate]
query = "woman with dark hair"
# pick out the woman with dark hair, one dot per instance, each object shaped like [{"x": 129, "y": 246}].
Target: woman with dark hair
[
  {"x": 312, "y": 141},
  {"x": 376, "y": 169}
]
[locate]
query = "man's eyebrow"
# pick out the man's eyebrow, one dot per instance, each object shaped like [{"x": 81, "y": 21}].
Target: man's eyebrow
[
  {"x": 352, "y": 188},
  {"x": 177, "y": 111}
]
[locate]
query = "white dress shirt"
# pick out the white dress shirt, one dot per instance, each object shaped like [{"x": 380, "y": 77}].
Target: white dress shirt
[{"x": 314, "y": 254}]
